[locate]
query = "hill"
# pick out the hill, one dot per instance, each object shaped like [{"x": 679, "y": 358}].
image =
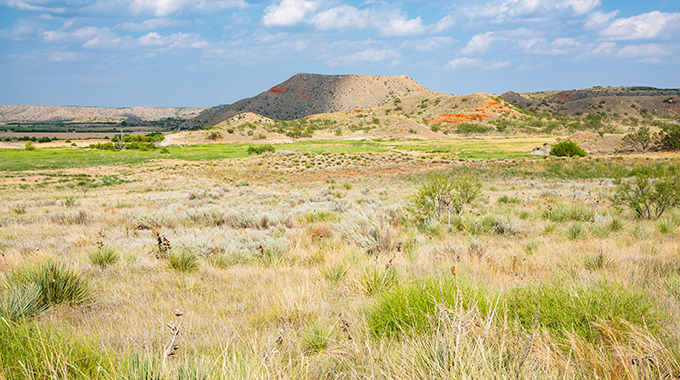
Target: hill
[{"x": 309, "y": 94}]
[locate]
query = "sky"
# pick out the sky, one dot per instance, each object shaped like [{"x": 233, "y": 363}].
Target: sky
[{"x": 195, "y": 53}]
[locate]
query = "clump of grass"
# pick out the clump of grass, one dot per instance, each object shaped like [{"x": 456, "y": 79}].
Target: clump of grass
[
  {"x": 140, "y": 366},
  {"x": 30, "y": 352},
  {"x": 21, "y": 301},
  {"x": 183, "y": 260},
  {"x": 576, "y": 231},
  {"x": 375, "y": 280},
  {"x": 531, "y": 246},
  {"x": 639, "y": 232},
  {"x": 319, "y": 216},
  {"x": 335, "y": 272},
  {"x": 315, "y": 337},
  {"x": 667, "y": 224},
  {"x": 412, "y": 309},
  {"x": 550, "y": 228},
  {"x": 103, "y": 255},
  {"x": 58, "y": 284},
  {"x": 575, "y": 307}
]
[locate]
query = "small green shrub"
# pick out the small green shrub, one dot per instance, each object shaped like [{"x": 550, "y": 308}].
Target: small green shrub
[
  {"x": 567, "y": 149},
  {"x": 259, "y": 149},
  {"x": 441, "y": 193},
  {"x": 648, "y": 196},
  {"x": 576, "y": 231}
]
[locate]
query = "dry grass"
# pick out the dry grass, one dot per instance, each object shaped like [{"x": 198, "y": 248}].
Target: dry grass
[{"x": 280, "y": 275}]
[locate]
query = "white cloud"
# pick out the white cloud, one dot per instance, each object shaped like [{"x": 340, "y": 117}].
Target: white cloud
[
  {"x": 288, "y": 12},
  {"x": 597, "y": 19},
  {"x": 429, "y": 44},
  {"x": 368, "y": 55},
  {"x": 650, "y": 25},
  {"x": 444, "y": 24},
  {"x": 176, "y": 40},
  {"x": 400, "y": 27},
  {"x": 559, "y": 46},
  {"x": 341, "y": 17},
  {"x": 64, "y": 56},
  {"x": 163, "y": 8},
  {"x": 466, "y": 62},
  {"x": 529, "y": 10},
  {"x": 478, "y": 44},
  {"x": 22, "y": 29},
  {"x": 93, "y": 37},
  {"x": 155, "y": 23},
  {"x": 644, "y": 50},
  {"x": 31, "y": 6}
]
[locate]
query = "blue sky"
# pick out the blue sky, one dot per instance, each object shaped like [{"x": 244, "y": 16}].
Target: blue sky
[{"x": 120, "y": 53}]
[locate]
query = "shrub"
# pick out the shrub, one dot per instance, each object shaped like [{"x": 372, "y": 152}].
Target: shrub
[
  {"x": 29, "y": 146},
  {"x": 669, "y": 137},
  {"x": 259, "y": 149},
  {"x": 641, "y": 139},
  {"x": 567, "y": 149},
  {"x": 648, "y": 196},
  {"x": 468, "y": 128},
  {"x": 441, "y": 193},
  {"x": 213, "y": 135}
]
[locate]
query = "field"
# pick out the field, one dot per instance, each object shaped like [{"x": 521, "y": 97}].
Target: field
[{"x": 314, "y": 262}]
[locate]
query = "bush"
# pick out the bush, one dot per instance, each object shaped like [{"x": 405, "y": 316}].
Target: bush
[
  {"x": 567, "y": 149},
  {"x": 669, "y": 137},
  {"x": 259, "y": 149},
  {"x": 21, "y": 301},
  {"x": 441, "y": 193},
  {"x": 648, "y": 196},
  {"x": 641, "y": 139},
  {"x": 468, "y": 128}
]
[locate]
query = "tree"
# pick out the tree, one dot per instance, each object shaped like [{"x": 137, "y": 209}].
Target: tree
[
  {"x": 648, "y": 196},
  {"x": 669, "y": 137},
  {"x": 441, "y": 193},
  {"x": 642, "y": 138}
]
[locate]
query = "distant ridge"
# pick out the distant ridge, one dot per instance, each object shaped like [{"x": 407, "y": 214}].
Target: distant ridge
[
  {"x": 310, "y": 94},
  {"x": 33, "y": 113}
]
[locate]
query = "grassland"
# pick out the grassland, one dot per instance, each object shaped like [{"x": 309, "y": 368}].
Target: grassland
[{"x": 309, "y": 263}]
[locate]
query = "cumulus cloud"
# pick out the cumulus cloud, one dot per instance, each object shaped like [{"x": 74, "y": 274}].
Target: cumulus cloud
[
  {"x": 467, "y": 62},
  {"x": 176, "y": 40},
  {"x": 444, "y": 24},
  {"x": 531, "y": 10},
  {"x": 155, "y": 23},
  {"x": 341, "y": 17},
  {"x": 162, "y": 8},
  {"x": 644, "y": 50},
  {"x": 650, "y": 25},
  {"x": 288, "y": 12},
  {"x": 428, "y": 44},
  {"x": 368, "y": 55},
  {"x": 401, "y": 27},
  {"x": 478, "y": 44}
]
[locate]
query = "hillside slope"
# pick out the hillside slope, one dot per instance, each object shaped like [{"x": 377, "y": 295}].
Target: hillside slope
[{"x": 310, "y": 94}]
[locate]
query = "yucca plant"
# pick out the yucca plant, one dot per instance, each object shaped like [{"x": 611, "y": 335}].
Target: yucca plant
[
  {"x": 577, "y": 231},
  {"x": 335, "y": 273},
  {"x": 183, "y": 261},
  {"x": 103, "y": 255},
  {"x": 58, "y": 283},
  {"x": 315, "y": 337},
  {"x": 667, "y": 224},
  {"x": 22, "y": 301}
]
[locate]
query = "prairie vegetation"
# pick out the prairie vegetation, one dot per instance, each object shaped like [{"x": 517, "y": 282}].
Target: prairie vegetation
[{"x": 340, "y": 260}]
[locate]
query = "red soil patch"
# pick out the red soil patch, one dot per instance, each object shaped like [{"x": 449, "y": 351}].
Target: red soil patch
[
  {"x": 564, "y": 96},
  {"x": 303, "y": 95},
  {"x": 672, "y": 107},
  {"x": 277, "y": 89}
]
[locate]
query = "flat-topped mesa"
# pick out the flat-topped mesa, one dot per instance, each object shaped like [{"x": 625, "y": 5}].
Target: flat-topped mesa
[{"x": 310, "y": 94}]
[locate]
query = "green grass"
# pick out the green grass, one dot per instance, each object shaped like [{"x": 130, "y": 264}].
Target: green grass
[
  {"x": 31, "y": 352},
  {"x": 58, "y": 283},
  {"x": 568, "y": 306}
]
